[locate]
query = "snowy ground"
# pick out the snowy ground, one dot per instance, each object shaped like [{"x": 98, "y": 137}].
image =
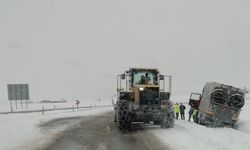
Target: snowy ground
[
  {"x": 190, "y": 136},
  {"x": 21, "y": 131}
]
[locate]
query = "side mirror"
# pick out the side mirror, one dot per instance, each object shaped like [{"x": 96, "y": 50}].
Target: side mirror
[{"x": 161, "y": 77}]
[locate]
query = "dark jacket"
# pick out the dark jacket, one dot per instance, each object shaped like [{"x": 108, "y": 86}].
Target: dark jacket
[
  {"x": 182, "y": 109},
  {"x": 191, "y": 110}
]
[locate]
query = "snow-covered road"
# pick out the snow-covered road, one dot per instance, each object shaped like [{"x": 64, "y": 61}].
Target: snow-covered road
[
  {"x": 101, "y": 133},
  {"x": 22, "y": 131}
]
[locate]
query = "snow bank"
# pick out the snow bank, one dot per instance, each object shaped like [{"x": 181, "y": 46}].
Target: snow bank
[
  {"x": 190, "y": 136},
  {"x": 244, "y": 122}
]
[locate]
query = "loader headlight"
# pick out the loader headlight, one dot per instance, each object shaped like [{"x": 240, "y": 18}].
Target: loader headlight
[{"x": 141, "y": 88}]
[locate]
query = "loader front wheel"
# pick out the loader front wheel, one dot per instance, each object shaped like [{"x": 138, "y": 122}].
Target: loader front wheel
[{"x": 123, "y": 120}]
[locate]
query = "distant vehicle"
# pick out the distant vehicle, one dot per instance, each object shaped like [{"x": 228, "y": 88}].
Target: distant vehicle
[
  {"x": 142, "y": 98},
  {"x": 219, "y": 105}
]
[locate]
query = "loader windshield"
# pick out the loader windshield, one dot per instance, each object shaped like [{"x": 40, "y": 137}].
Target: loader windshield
[{"x": 142, "y": 77}]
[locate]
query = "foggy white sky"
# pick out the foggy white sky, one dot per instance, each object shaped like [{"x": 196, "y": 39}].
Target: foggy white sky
[{"x": 74, "y": 48}]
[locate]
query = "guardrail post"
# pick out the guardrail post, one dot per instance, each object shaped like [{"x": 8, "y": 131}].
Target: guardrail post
[{"x": 43, "y": 110}]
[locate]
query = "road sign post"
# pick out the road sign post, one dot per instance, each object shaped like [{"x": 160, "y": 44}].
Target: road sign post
[{"x": 18, "y": 92}]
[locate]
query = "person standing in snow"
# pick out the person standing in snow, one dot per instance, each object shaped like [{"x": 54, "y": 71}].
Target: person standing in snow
[
  {"x": 182, "y": 111},
  {"x": 177, "y": 110},
  {"x": 190, "y": 113},
  {"x": 195, "y": 113}
]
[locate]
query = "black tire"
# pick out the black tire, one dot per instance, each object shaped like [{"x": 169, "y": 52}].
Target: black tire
[
  {"x": 167, "y": 119},
  {"x": 236, "y": 101},
  {"x": 219, "y": 96},
  {"x": 123, "y": 120}
]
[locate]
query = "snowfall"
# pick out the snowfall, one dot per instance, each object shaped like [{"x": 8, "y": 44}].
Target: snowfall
[{"x": 21, "y": 130}]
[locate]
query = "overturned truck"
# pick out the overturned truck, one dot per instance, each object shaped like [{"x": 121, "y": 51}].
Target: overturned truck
[
  {"x": 142, "y": 97},
  {"x": 219, "y": 105}
]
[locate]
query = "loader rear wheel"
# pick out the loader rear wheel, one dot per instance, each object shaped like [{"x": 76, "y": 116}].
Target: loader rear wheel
[{"x": 123, "y": 120}]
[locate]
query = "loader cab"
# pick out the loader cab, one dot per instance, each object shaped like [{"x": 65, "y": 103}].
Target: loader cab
[
  {"x": 144, "y": 86},
  {"x": 144, "y": 77},
  {"x": 194, "y": 100}
]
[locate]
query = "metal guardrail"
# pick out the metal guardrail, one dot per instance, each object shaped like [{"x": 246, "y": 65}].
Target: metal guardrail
[{"x": 53, "y": 109}]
